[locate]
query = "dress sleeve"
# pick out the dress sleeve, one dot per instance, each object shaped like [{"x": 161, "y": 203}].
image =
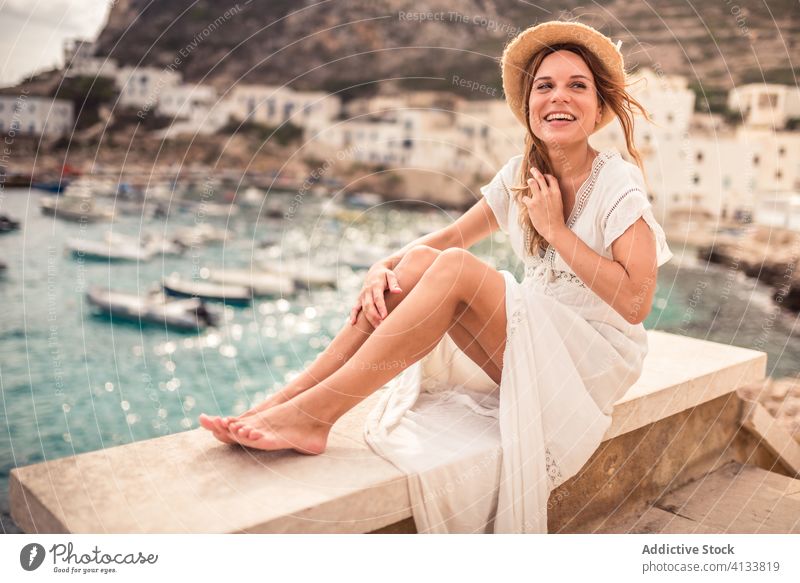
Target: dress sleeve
[
  {"x": 498, "y": 194},
  {"x": 626, "y": 210}
]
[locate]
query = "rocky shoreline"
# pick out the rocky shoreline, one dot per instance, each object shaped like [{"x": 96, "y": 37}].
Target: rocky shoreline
[{"x": 769, "y": 254}]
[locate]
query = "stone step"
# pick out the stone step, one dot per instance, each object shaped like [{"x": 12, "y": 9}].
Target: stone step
[
  {"x": 736, "y": 498},
  {"x": 189, "y": 482}
]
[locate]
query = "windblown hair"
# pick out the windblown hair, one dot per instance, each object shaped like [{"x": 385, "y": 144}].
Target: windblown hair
[{"x": 610, "y": 93}]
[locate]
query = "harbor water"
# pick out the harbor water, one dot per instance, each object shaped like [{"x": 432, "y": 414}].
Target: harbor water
[{"x": 73, "y": 381}]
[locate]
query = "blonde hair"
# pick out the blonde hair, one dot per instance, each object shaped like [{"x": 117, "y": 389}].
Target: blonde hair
[{"x": 610, "y": 93}]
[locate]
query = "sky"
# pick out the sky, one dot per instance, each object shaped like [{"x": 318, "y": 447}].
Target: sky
[{"x": 32, "y": 33}]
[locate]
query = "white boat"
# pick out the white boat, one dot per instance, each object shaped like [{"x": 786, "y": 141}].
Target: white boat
[
  {"x": 362, "y": 258},
  {"x": 154, "y": 244},
  {"x": 215, "y": 209},
  {"x": 260, "y": 284},
  {"x": 74, "y": 208},
  {"x": 364, "y": 199},
  {"x": 235, "y": 295},
  {"x": 106, "y": 250},
  {"x": 252, "y": 197},
  {"x": 186, "y": 314},
  {"x": 304, "y": 275},
  {"x": 202, "y": 234}
]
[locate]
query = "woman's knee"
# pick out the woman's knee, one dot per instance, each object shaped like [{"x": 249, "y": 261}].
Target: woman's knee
[
  {"x": 451, "y": 261},
  {"x": 420, "y": 257}
]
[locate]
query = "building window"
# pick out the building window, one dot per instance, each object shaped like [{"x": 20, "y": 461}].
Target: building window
[
  {"x": 484, "y": 131},
  {"x": 675, "y": 197},
  {"x": 781, "y": 150},
  {"x": 670, "y": 117},
  {"x": 778, "y": 175},
  {"x": 755, "y": 160},
  {"x": 696, "y": 179},
  {"x": 407, "y": 144},
  {"x": 699, "y": 156},
  {"x": 270, "y": 108},
  {"x": 767, "y": 100},
  {"x": 287, "y": 110}
]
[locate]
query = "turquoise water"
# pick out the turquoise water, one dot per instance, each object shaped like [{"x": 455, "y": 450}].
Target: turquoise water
[{"x": 73, "y": 382}]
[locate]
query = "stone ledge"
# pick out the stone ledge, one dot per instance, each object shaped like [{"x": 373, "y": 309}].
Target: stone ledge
[{"x": 190, "y": 483}]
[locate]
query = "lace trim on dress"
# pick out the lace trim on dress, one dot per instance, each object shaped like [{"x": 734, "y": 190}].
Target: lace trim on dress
[
  {"x": 628, "y": 207},
  {"x": 567, "y": 276},
  {"x": 580, "y": 203},
  {"x": 553, "y": 471},
  {"x": 620, "y": 199}
]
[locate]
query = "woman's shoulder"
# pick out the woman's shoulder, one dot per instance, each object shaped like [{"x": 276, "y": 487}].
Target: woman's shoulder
[
  {"x": 620, "y": 175},
  {"x": 510, "y": 169}
]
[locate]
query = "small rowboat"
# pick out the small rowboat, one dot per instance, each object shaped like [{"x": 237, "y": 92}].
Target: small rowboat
[
  {"x": 234, "y": 295},
  {"x": 186, "y": 314}
]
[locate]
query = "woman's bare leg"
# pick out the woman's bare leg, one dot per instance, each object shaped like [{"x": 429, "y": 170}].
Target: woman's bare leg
[
  {"x": 349, "y": 339},
  {"x": 455, "y": 284}
]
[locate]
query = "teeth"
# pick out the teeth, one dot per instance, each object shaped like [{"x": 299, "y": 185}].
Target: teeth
[{"x": 559, "y": 116}]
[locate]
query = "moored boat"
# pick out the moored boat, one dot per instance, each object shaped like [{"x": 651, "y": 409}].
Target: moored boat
[
  {"x": 107, "y": 250},
  {"x": 261, "y": 284},
  {"x": 7, "y": 224},
  {"x": 235, "y": 295},
  {"x": 184, "y": 314}
]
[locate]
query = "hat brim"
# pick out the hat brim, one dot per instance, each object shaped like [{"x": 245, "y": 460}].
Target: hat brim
[{"x": 518, "y": 52}]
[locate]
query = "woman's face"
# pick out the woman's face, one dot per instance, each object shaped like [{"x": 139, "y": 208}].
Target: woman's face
[{"x": 563, "y": 83}]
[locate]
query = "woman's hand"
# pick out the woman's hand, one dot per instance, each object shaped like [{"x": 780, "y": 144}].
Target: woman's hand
[
  {"x": 545, "y": 206},
  {"x": 370, "y": 298}
]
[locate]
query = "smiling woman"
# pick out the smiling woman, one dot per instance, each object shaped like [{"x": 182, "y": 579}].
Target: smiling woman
[{"x": 476, "y": 361}]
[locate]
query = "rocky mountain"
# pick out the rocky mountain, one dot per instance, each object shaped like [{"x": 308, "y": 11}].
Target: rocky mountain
[{"x": 370, "y": 45}]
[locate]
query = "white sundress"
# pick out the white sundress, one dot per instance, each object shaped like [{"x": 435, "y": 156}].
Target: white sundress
[{"x": 484, "y": 458}]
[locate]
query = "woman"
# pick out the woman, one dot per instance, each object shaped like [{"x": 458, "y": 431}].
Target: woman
[{"x": 478, "y": 363}]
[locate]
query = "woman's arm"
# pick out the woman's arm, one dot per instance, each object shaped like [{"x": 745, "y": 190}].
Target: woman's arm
[
  {"x": 628, "y": 282},
  {"x": 474, "y": 225}
]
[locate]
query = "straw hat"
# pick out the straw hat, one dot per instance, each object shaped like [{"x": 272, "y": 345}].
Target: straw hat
[{"x": 518, "y": 52}]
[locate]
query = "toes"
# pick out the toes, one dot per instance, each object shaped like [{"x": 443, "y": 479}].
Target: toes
[
  {"x": 206, "y": 422},
  {"x": 219, "y": 425}
]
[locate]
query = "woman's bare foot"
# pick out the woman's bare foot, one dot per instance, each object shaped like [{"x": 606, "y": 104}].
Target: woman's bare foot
[
  {"x": 282, "y": 426},
  {"x": 219, "y": 425},
  {"x": 210, "y": 423}
]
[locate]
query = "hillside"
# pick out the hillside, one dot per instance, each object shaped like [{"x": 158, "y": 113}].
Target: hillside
[{"x": 336, "y": 43}]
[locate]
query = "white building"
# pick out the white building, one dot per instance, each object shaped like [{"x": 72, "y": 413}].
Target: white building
[
  {"x": 142, "y": 86},
  {"x": 196, "y": 109},
  {"x": 489, "y": 132},
  {"x": 775, "y": 157},
  {"x": 80, "y": 61},
  {"x": 721, "y": 177},
  {"x": 765, "y": 105},
  {"x": 431, "y": 130},
  {"x": 273, "y": 106},
  {"x": 36, "y": 115},
  {"x": 669, "y": 102}
]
